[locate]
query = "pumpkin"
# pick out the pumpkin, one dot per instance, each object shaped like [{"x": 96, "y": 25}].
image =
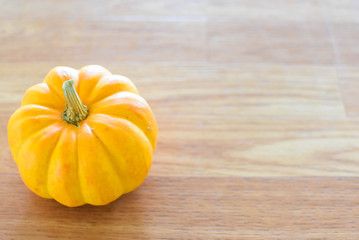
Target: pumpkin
[{"x": 83, "y": 136}]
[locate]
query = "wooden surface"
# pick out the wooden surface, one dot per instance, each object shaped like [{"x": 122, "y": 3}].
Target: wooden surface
[{"x": 257, "y": 106}]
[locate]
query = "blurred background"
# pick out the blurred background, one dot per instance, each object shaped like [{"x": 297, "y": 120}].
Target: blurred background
[{"x": 248, "y": 95}]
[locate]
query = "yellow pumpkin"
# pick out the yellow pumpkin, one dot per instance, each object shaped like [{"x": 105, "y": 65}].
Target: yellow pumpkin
[{"x": 83, "y": 136}]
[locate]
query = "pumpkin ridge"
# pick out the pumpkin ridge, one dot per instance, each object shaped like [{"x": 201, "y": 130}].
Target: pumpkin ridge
[
  {"x": 96, "y": 86},
  {"x": 50, "y": 117},
  {"x": 109, "y": 154},
  {"x": 52, "y": 89},
  {"x": 80, "y": 80},
  {"x": 139, "y": 129},
  {"x": 31, "y": 138},
  {"x": 35, "y": 89},
  {"x": 120, "y": 92},
  {"x": 132, "y": 124},
  {"x": 96, "y": 109},
  {"x": 48, "y": 106},
  {"x": 97, "y": 101},
  {"x": 62, "y": 165},
  {"x": 50, "y": 160},
  {"x": 146, "y": 161},
  {"x": 62, "y": 73},
  {"x": 78, "y": 170},
  {"x": 39, "y": 106},
  {"x": 23, "y": 118},
  {"x": 104, "y": 98}
]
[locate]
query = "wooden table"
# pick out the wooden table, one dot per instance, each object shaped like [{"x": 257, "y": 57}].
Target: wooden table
[{"x": 257, "y": 106}]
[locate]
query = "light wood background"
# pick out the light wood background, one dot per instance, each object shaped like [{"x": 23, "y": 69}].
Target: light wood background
[{"x": 257, "y": 104}]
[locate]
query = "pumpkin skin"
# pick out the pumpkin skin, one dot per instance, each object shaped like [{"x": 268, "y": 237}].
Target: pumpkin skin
[{"x": 108, "y": 154}]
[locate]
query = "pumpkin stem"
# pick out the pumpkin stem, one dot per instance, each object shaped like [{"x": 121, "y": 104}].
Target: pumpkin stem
[{"x": 75, "y": 110}]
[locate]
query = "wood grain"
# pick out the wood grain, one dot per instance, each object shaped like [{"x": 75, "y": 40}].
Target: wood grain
[
  {"x": 256, "y": 102},
  {"x": 195, "y": 208}
]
